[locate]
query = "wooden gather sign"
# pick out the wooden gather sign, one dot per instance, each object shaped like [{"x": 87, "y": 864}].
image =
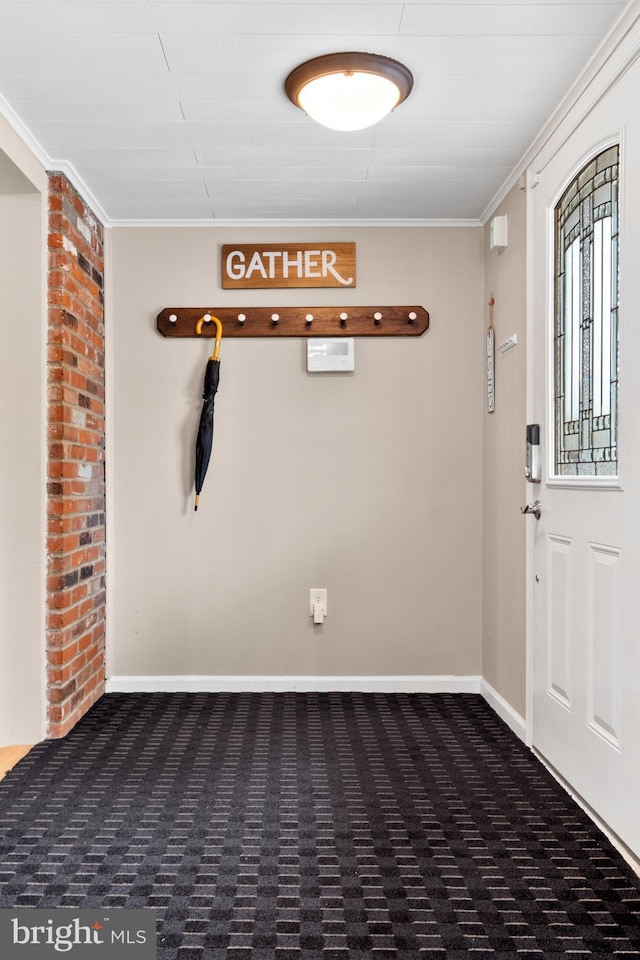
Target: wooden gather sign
[{"x": 261, "y": 266}]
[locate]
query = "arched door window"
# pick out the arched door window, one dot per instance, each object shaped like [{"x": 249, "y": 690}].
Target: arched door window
[{"x": 586, "y": 321}]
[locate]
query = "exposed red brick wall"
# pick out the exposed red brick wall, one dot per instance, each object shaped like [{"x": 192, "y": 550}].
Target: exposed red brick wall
[{"x": 75, "y": 476}]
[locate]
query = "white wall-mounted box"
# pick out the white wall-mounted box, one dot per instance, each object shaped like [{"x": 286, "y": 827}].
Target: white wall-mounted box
[
  {"x": 330, "y": 355},
  {"x": 498, "y": 234}
]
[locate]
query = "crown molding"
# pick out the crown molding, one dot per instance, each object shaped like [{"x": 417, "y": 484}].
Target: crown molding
[
  {"x": 24, "y": 133},
  {"x": 614, "y": 56},
  {"x": 49, "y": 164},
  {"x": 292, "y": 224},
  {"x": 72, "y": 175}
]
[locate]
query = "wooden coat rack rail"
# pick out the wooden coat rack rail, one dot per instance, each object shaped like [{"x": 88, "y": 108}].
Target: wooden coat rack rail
[{"x": 296, "y": 321}]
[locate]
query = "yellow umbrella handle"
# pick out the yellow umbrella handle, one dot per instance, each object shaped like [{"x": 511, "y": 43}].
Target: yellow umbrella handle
[{"x": 206, "y": 319}]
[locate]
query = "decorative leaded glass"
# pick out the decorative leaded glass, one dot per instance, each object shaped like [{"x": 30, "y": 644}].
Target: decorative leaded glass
[{"x": 586, "y": 321}]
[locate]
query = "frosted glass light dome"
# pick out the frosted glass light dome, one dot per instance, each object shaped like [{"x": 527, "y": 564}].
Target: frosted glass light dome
[{"x": 349, "y": 91}]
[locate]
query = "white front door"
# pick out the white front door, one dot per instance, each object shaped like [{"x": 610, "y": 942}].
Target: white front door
[{"x": 585, "y": 563}]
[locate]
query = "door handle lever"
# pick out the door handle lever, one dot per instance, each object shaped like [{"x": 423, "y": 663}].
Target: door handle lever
[{"x": 534, "y": 508}]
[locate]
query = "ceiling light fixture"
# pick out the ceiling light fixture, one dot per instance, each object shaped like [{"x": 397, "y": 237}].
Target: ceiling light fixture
[{"x": 349, "y": 91}]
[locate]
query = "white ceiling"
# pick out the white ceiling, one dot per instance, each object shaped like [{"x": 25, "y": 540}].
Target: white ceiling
[{"x": 176, "y": 110}]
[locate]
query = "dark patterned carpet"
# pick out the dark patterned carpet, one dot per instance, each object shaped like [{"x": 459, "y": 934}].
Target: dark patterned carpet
[{"x": 316, "y": 827}]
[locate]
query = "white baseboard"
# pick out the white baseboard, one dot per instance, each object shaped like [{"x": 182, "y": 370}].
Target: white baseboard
[
  {"x": 295, "y": 684},
  {"x": 312, "y": 684},
  {"x": 504, "y": 710}
]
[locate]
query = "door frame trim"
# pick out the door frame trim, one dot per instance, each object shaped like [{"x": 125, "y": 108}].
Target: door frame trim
[{"x": 532, "y": 182}]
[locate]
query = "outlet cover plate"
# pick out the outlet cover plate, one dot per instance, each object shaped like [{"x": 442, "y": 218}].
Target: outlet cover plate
[{"x": 319, "y": 595}]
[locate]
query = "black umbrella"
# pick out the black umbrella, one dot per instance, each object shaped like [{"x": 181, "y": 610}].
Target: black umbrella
[{"x": 204, "y": 440}]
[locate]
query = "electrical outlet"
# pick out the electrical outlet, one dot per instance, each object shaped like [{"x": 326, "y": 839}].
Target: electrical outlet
[{"x": 318, "y": 596}]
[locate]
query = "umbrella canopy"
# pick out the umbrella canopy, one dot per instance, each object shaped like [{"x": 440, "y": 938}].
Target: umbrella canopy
[{"x": 204, "y": 440}]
